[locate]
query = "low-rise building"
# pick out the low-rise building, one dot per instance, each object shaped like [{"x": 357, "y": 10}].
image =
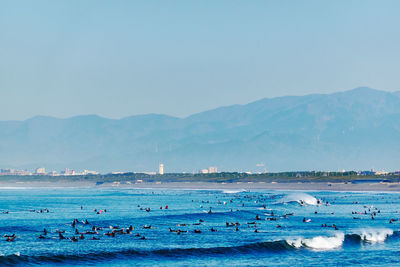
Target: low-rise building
[
  {"x": 212, "y": 169},
  {"x": 40, "y": 171},
  {"x": 204, "y": 171}
]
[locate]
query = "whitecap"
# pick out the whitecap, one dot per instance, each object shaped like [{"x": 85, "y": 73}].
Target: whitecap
[
  {"x": 301, "y": 198},
  {"x": 232, "y": 191},
  {"x": 375, "y": 235},
  {"x": 318, "y": 242}
]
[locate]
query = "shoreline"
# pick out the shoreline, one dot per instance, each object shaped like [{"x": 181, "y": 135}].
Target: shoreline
[{"x": 305, "y": 186}]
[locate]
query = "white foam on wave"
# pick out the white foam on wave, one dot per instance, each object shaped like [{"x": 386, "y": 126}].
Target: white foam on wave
[
  {"x": 318, "y": 242},
  {"x": 375, "y": 235},
  {"x": 232, "y": 191},
  {"x": 301, "y": 197},
  {"x": 15, "y": 188},
  {"x": 297, "y": 243}
]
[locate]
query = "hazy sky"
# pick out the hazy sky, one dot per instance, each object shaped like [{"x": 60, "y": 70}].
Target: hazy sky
[{"x": 120, "y": 58}]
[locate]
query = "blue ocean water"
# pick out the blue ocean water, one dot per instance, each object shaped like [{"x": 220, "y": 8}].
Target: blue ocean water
[{"x": 361, "y": 227}]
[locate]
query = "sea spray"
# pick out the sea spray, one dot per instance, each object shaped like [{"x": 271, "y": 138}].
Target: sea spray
[
  {"x": 318, "y": 242},
  {"x": 375, "y": 235}
]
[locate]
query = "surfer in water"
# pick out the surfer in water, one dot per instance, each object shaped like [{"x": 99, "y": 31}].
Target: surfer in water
[{"x": 11, "y": 238}]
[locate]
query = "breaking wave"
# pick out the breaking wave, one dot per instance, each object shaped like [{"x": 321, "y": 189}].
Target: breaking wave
[
  {"x": 318, "y": 243},
  {"x": 232, "y": 191},
  {"x": 301, "y": 198},
  {"x": 375, "y": 235},
  {"x": 336, "y": 241}
]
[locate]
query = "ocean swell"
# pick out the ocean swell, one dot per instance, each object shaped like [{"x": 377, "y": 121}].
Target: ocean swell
[
  {"x": 317, "y": 243},
  {"x": 101, "y": 256}
]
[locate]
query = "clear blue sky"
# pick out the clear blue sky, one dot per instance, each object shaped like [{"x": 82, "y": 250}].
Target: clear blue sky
[{"x": 120, "y": 58}]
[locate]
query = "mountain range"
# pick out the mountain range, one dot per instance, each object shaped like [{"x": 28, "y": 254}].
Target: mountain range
[{"x": 353, "y": 130}]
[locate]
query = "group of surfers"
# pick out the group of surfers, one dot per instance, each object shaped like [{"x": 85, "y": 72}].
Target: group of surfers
[{"x": 116, "y": 230}]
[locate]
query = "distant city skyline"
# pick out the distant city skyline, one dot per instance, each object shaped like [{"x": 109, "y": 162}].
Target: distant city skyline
[{"x": 121, "y": 58}]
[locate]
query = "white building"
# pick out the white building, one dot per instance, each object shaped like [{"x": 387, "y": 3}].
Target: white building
[
  {"x": 40, "y": 171},
  {"x": 67, "y": 172},
  {"x": 161, "y": 169},
  {"x": 212, "y": 169},
  {"x": 204, "y": 171}
]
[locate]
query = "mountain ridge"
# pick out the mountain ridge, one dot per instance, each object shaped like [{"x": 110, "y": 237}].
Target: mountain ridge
[{"x": 343, "y": 130}]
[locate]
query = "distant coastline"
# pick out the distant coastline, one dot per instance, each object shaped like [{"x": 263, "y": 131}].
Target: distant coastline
[{"x": 225, "y": 181}]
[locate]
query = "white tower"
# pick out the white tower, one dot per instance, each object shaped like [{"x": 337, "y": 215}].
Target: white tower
[{"x": 161, "y": 169}]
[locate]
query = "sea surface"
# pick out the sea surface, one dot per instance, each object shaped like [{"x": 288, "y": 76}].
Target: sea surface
[{"x": 361, "y": 227}]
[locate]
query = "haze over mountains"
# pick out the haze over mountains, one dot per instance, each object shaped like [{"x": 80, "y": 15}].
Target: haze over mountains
[{"x": 357, "y": 129}]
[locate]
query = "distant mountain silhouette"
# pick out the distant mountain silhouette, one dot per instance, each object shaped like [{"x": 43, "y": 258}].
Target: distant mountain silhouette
[{"x": 356, "y": 129}]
